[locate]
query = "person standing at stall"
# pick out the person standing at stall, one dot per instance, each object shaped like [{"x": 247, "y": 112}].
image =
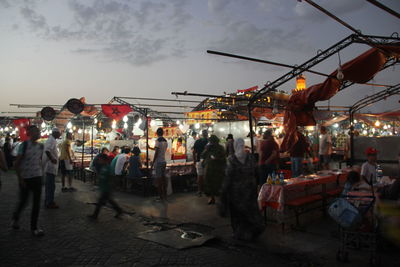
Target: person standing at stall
[
  {"x": 269, "y": 156},
  {"x": 66, "y": 155},
  {"x": 239, "y": 195},
  {"x": 229, "y": 148},
  {"x": 198, "y": 149},
  {"x": 121, "y": 166},
  {"x": 159, "y": 164},
  {"x": 325, "y": 148},
  {"x": 50, "y": 159},
  {"x": 368, "y": 169},
  {"x": 28, "y": 166},
  {"x": 214, "y": 168},
  {"x": 297, "y": 154}
]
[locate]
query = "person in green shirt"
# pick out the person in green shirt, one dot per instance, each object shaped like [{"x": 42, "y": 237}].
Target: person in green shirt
[{"x": 104, "y": 174}]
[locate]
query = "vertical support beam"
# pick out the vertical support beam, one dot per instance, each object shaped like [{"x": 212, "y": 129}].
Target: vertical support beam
[
  {"x": 83, "y": 149},
  {"x": 251, "y": 128},
  {"x": 351, "y": 137},
  {"x": 92, "y": 141},
  {"x": 147, "y": 140}
]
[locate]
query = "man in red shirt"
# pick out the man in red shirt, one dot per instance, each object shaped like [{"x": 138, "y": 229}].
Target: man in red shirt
[{"x": 269, "y": 156}]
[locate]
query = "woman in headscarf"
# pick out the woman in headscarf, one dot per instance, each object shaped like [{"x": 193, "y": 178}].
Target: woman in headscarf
[
  {"x": 214, "y": 163},
  {"x": 239, "y": 194}
]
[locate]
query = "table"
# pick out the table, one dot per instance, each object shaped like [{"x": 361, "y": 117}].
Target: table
[{"x": 275, "y": 196}]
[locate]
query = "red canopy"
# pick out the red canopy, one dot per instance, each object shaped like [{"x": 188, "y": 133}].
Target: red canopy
[{"x": 359, "y": 70}]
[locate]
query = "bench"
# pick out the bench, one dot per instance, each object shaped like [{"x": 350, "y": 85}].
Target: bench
[{"x": 298, "y": 204}]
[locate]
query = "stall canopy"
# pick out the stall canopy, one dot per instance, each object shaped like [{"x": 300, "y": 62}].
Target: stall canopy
[{"x": 301, "y": 104}]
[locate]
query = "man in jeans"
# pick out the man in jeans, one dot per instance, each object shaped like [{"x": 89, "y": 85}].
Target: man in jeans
[
  {"x": 160, "y": 164},
  {"x": 29, "y": 171},
  {"x": 50, "y": 159},
  {"x": 297, "y": 152}
]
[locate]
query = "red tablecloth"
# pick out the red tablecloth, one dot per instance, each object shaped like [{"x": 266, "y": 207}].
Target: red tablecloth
[{"x": 275, "y": 195}]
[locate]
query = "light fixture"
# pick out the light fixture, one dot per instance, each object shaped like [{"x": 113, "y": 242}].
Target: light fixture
[
  {"x": 152, "y": 123},
  {"x": 210, "y": 129},
  {"x": 377, "y": 123},
  {"x": 6, "y": 129},
  {"x": 178, "y": 122},
  {"x": 125, "y": 119},
  {"x": 1, "y": 129},
  {"x": 79, "y": 131},
  {"x": 125, "y": 125},
  {"x": 114, "y": 124},
  {"x": 69, "y": 125},
  {"x": 355, "y": 121},
  {"x": 336, "y": 125},
  {"x": 43, "y": 125},
  {"x": 197, "y": 126},
  {"x": 95, "y": 120},
  {"x": 385, "y": 127}
]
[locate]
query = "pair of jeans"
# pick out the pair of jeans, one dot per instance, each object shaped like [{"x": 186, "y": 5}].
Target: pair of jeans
[
  {"x": 264, "y": 171},
  {"x": 297, "y": 166},
  {"x": 104, "y": 198},
  {"x": 35, "y": 185},
  {"x": 50, "y": 188}
]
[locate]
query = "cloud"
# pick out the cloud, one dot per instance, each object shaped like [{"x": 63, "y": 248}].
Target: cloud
[
  {"x": 245, "y": 38},
  {"x": 217, "y": 6},
  {"x": 36, "y": 21},
  {"x": 337, "y": 7},
  {"x": 4, "y": 4}
]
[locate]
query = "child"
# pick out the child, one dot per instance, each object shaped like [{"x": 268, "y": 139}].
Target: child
[
  {"x": 104, "y": 172},
  {"x": 353, "y": 179}
]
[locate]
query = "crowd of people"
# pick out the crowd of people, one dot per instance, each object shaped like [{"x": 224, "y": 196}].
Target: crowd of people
[{"x": 230, "y": 175}]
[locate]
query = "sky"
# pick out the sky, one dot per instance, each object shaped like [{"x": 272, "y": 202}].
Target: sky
[{"x": 51, "y": 51}]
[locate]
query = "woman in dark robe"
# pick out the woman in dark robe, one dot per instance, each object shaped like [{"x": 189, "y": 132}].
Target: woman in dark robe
[
  {"x": 239, "y": 195},
  {"x": 214, "y": 163}
]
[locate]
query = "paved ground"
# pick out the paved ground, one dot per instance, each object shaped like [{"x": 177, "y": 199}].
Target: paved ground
[{"x": 73, "y": 240}]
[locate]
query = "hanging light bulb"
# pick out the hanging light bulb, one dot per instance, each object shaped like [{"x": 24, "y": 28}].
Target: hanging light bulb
[
  {"x": 336, "y": 125},
  {"x": 125, "y": 125},
  {"x": 152, "y": 123},
  {"x": 114, "y": 124},
  {"x": 355, "y": 121},
  {"x": 385, "y": 127},
  {"x": 178, "y": 122},
  {"x": 69, "y": 125},
  {"x": 340, "y": 75},
  {"x": 95, "y": 120},
  {"x": 43, "y": 125},
  {"x": 210, "y": 129},
  {"x": 377, "y": 123},
  {"x": 125, "y": 119},
  {"x": 6, "y": 129},
  {"x": 79, "y": 131}
]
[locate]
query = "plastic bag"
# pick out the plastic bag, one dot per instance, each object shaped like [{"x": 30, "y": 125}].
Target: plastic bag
[{"x": 344, "y": 213}]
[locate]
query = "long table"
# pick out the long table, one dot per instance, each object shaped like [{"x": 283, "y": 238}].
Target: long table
[{"x": 275, "y": 196}]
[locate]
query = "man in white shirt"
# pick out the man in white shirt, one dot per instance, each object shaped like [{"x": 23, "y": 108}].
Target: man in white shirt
[
  {"x": 121, "y": 166},
  {"x": 325, "y": 148},
  {"x": 160, "y": 164},
  {"x": 50, "y": 160},
  {"x": 368, "y": 169}
]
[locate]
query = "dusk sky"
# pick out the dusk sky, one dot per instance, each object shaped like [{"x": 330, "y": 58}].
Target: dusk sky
[{"x": 52, "y": 51}]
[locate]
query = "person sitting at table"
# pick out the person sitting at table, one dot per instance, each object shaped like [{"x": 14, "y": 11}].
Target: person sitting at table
[
  {"x": 134, "y": 166},
  {"x": 297, "y": 154},
  {"x": 116, "y": 150},
  {"x": 239, "y": 195},
  {"x": 94, "y": 164},
  {"x": 368, "y": 169}
]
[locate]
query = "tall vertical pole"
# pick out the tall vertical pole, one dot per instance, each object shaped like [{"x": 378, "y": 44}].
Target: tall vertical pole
[
  {"x": 251, "y": 128},
  {"x": 92, "y": 136},
  {"x": 147, "y": 141},
  {"x": 83, "y": 147},
  {"x": 351, "y": 138}
]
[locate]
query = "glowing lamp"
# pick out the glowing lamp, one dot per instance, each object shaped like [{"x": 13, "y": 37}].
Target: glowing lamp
[
  {"x": 300, "y": 83},
  {"x": 377, "y": 123}
]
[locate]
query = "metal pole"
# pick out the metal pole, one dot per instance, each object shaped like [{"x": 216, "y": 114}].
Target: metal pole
[
  {"x": 351, "y": 137},
  {"x": 147, "y": 141},
  {"x": 251, "y": 128},
  {"x": 382, "y": 6},
  {"x": 92, "y": 144},
  {"x": 83, "y": 149}
]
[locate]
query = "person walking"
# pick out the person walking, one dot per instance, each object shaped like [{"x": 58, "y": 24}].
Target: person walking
[
  {"x": 214, "y": 168},
  {"x": 198, "y": 148},
  {"x": 269, "y": 157},
  {"x": 66, "y": 156},
  {"x": 50, "y": 159},
  {"x": 159, "y": 164},
  {"x": 7, "y": 152},
  {"x": 3, "y": 164},
  {"x": 239, "y": 194},
  {"x": 104, "y": 173},
  {"x": 28, "y": 166}
]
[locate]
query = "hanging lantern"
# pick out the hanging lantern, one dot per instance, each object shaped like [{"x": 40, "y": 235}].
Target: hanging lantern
[{"x": 300, "y": 83}]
